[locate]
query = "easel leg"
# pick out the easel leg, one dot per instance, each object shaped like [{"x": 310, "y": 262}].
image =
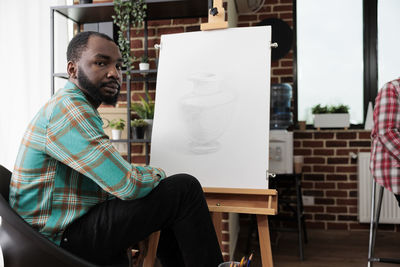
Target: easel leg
[
  {"x": 217, "y": 221},
  {"x": 264, "y": 240},
  {"x": 150, "y": 258}
]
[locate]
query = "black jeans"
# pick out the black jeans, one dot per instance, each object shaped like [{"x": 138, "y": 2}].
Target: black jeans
[{"x": 176, "y": 206}]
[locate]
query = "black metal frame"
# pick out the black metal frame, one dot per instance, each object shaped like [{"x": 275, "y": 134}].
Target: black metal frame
[
  {"x": 370, "y": 60},
  {"x": 374, "y": 227},
  {"x": 285, "y": 183},
  {"x": 370, "y": 12}
]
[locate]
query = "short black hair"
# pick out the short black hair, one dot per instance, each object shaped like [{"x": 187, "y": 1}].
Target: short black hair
[{"x": 79, "y": 43}]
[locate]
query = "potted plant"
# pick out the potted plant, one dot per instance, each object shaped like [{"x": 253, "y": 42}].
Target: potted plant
[
  {"x": 145, "y": 110},
  {"x": 117, "y": 126},
  {"x": 128, "y": 13},
  {"x": 331, "y": 116},
  {"x": 144, "y": 63},
  {"x": 138, "y": 128}
]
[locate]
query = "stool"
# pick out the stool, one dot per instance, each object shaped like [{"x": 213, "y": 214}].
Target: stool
[
  {"x": 285, "y": 183},
  {"x": 374, "y": 228}
]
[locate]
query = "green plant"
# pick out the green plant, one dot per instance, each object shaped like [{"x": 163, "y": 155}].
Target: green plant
[
  {"x": 138, "y": 123},
  {"x": 118, "y": 124},
  {"x": 128, "y": 13},
  {"x": 339, "y": 109},
  {"x": 144, "y": 59},
  {"x": 144, "y": 109},
  {"x": 319, "y": 109}
]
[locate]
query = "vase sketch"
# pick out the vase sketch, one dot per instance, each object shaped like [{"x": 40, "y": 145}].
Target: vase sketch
[{"x": 207, "y": 112}]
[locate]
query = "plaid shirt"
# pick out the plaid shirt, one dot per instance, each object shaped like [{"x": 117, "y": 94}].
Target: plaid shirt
[
  {"x": 66, "y": 165},
  {"x": 385, "y": 151}
]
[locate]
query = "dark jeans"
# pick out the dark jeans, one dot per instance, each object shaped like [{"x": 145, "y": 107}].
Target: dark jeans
[{"x": 176, "y": 206}]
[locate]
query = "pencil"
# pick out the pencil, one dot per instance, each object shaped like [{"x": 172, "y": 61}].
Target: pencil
[
  {"x": 250, "y": 258},
  {"x": 242, "y": 262}
]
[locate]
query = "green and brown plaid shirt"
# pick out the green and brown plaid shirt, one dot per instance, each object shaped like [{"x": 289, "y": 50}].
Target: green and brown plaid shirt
[{"x": 66, "y": 165}]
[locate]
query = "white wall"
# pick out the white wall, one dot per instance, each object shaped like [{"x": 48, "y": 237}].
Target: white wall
[{"x": 25, "y": 67}]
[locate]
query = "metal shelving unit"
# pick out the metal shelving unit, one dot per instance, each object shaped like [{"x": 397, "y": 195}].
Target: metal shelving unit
[{"x": 102, "y": 12}]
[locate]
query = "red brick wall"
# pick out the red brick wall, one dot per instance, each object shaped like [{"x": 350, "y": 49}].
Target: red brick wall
[
  {"x": 330, "y": 175},
  {"x": 281, "y": 70}
]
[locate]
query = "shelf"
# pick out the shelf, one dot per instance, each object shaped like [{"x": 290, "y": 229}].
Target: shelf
[
  {"x": 144, "y": 72},
  {"x": 131, "y": 140},
  {"x": 142, "y": 78},
  {"x": 156, "y": 9},
  {"x": 61, "y": 75}
]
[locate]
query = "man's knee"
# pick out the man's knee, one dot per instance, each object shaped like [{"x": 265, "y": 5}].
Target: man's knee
[{"x": 184, "y": 180}]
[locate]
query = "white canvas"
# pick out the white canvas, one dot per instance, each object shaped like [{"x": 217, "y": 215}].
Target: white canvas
[{"x": 212, "y": 106}]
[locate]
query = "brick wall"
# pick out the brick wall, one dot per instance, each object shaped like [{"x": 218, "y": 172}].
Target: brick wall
[
  {"x": 281, "y": 70},
  {"x": 330, "y": 176}
]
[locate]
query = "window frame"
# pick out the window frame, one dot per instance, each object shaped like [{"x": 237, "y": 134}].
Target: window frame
[{"x": 370, "y": 59}]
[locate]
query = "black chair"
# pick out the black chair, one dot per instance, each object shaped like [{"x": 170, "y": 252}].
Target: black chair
[{"x": 21, "y": 244}]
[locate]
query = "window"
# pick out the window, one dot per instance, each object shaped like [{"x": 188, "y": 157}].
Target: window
[
  {"x": 388, "y": 41},
  {"x": 25, "y": 67},
  {"x": 330, "y": 56}
]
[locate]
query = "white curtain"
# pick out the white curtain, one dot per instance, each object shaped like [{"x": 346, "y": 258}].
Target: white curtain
[{"x": 25, "y": 66}]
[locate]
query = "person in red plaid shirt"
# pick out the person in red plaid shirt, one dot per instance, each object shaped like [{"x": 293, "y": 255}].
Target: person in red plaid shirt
[
  {"x": 385, "y": 150},
  {"x": 71, "y": 185}
]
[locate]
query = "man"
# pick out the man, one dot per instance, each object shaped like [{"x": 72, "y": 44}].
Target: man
[
  {"x": 71, "y": 185},
  {"x": 385, "y": 151}
]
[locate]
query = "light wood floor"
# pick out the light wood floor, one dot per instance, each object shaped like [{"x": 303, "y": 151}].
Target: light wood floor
[{"x": 325, "y": 248}]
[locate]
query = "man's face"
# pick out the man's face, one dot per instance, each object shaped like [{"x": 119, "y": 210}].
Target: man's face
[{"x": 99, "y": 70}]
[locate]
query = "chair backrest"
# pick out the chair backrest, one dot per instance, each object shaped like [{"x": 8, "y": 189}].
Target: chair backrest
[
  {"x": 5, "y": 177},
  {"x": 22, "y": 245}
]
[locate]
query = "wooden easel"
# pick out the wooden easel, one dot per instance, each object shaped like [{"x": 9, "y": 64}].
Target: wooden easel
[
  {"x": 262, "y": 202},
  {"x": 215, "y": 21}
]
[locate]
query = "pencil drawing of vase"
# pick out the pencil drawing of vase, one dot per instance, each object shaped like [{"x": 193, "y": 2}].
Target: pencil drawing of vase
[{"x": 207, "y": 112}]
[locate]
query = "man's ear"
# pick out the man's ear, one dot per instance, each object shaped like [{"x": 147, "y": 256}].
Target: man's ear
[{"x": 72, "y": 69}]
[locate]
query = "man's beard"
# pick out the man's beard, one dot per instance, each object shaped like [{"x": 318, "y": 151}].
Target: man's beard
[{"x": 94, "y": 90}]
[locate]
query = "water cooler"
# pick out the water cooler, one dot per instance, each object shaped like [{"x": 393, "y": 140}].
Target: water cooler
[{"x": 280, "y": 140}]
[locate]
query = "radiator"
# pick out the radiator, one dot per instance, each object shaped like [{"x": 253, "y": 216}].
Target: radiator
[{"x": 390, "y": 211}]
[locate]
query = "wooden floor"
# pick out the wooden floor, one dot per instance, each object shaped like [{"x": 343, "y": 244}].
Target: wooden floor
[{"x": 324, "y": 248}]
